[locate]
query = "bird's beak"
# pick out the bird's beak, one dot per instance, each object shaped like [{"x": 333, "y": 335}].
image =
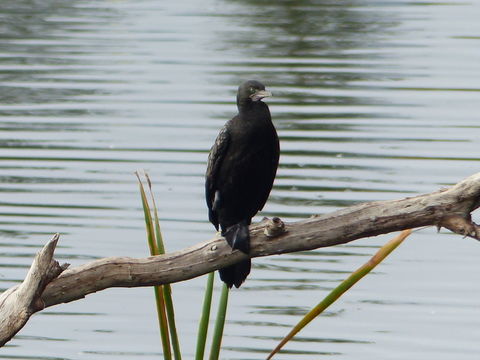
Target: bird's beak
[{"x": 260, "y": 94}]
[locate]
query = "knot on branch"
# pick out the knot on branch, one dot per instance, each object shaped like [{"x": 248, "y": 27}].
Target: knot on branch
[{"x": 274, "y": 227}]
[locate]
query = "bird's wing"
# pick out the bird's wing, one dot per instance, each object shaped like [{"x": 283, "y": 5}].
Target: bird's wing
[
  {"x": 215, "y": 158},
  {"x": 275, "y": 157}
]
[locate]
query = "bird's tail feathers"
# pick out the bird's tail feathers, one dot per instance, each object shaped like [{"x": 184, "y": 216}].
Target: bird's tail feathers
[
  {"x": 236, "y": 274},
  {"x": 238, "y": 237}
]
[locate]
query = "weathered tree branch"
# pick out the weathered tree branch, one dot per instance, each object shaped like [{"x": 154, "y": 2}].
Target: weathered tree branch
[
  {"x": 449, "y": 208},
  {"x": 355, "y": 222},
  {"x": 17, "y": 304}
]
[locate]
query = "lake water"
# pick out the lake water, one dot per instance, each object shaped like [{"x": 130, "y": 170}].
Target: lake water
[{"x": 373, "y": 100}]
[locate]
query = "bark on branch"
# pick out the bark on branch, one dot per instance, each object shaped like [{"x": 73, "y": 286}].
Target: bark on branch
[
  {"x": 449, "y": 208},
  {"x": 18, "y": 303}
]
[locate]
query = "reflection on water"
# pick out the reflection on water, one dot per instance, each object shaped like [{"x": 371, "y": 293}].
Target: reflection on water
[{"x": 373, "y": 100}]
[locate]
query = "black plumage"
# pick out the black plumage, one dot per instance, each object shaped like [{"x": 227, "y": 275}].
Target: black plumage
[{"x": 241, "y": 168}]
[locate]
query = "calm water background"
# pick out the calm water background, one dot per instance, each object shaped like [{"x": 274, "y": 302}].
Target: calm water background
[{"x": 374, "y": 100}]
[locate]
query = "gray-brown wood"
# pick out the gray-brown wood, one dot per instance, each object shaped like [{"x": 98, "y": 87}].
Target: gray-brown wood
[
  {"x": 339, "y": 227},
  {"x": 17, "y": 304},
  {"x": 448, "y": 208}
]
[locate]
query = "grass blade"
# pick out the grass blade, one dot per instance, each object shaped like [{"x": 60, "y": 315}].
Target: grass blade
[
  {"x": 159, "y": 296},
  {"x": 148, "y": 219},
  {"x": 158, "y": 233},
  {"x": 203, "y": 326},
  {"x": 219, "y": 324},
  {"x": 162, "y": 321},
  {"x": 167, "y": 290},
  {"x": 381, "y": 254}
]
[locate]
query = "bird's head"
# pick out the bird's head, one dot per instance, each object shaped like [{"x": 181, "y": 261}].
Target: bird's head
[{"x": 251, "y": 91}]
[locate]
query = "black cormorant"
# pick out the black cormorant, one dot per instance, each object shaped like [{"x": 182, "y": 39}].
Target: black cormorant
[{"x": 241, "y": 168}]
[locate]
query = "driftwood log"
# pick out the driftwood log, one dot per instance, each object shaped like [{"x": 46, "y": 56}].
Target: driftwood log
[{"x": 48, "y": 283}]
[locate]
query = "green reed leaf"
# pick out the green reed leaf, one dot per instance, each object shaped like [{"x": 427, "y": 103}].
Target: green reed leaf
[{"x": 381, "y": 254}]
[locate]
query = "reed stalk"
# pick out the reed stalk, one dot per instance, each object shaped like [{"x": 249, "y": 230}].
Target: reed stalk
[{"x": 381, "y": 254}]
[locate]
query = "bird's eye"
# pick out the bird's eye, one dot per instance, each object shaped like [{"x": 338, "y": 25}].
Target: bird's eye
[{"x": 252, "y": 90}]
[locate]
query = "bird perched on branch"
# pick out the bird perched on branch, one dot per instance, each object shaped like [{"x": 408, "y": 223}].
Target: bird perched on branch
[{"x": 241, "y": 168}]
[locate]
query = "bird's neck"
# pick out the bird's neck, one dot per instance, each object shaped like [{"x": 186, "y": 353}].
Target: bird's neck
[{"x": 253, "y": 108}]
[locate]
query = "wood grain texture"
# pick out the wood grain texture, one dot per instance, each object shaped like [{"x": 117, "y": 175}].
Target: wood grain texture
[
  {"x": 339, "y": 227},
  {"x": 450, "y": 208},
  {"x": 18, "y": 303}
]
